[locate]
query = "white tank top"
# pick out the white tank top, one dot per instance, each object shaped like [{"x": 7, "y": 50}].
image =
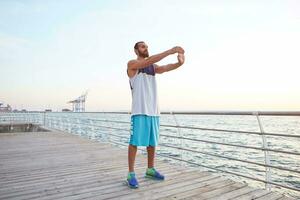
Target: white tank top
[{"x": 144, "y": 92}]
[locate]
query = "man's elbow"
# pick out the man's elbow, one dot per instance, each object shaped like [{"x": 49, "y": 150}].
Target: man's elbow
[{"x": 160, "y": 70}]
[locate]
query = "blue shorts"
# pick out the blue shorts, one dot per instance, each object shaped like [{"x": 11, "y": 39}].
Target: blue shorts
[{"x": 144, "y": 130}]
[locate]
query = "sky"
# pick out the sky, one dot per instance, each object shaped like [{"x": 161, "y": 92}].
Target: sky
[{"x": 240, "y": 55}]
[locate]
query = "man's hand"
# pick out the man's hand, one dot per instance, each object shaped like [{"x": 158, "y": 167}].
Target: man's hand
[
  {"x": 180, "y": 58},
  {"x": 170, "y": 67},
  {"x": 177, "y": 49}
]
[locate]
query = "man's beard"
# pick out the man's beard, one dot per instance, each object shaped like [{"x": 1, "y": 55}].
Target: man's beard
[{"x": 144, "y": 54}]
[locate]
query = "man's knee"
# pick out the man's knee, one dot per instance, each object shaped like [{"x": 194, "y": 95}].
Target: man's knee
[{"x": 132, "y": 146}]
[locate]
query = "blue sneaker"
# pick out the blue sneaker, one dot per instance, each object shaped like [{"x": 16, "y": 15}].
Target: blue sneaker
[
  {"x": 154, "y": 174},
  {"x": 132, "y": 181}
]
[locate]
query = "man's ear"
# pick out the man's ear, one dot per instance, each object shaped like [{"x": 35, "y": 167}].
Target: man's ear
[{"x": 136, "y": 52}]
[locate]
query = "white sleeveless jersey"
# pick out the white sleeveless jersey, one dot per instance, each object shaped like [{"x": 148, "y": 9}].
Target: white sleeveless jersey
[{"x": 144, "y": 92}]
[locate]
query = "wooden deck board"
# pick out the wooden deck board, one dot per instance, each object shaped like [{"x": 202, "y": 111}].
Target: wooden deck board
[
  {"x": 241, "y": 189},
  {"x": 58, "y": 165},
  {"x": 252, "y": 195}
]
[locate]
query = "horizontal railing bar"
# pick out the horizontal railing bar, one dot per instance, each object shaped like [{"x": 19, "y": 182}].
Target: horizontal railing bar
[
  {"x": 93, "y": 119},
  {"x": 230, "y": 158},
  {"x": 109, "y": 133},
  {"x": 234, "y": 145},
  {"x": 231, "y": 131},
  {"x": 261, "y": 113},
  {"x": 200, "y": 128},
  {"x": 87, "y": 124}
]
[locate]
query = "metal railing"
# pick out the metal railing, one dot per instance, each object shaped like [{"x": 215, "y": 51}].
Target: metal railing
[{"x": 54, "y": 120}]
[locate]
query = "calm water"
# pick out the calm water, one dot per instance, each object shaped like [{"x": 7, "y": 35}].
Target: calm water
[{"x": 79, "y": 124}]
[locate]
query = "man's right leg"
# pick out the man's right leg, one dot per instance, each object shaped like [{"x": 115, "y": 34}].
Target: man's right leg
[
  {"x": 131, "y": 157},
  {"x": 131, "y": 179}
]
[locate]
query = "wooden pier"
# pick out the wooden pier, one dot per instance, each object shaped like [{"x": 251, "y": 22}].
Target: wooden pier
[{"x": 58, "y": 165}]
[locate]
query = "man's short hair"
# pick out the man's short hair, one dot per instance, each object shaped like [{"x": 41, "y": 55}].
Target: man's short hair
[{"x": 136, "y": 46}]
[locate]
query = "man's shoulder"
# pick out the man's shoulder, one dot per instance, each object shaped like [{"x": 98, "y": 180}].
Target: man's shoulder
[{"x": 132, "y": 61}]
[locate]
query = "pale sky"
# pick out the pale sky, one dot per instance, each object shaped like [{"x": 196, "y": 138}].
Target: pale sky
[{"x": 240, "y": 55}]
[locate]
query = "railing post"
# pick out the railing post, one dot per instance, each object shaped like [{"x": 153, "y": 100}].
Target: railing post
[
  {"x": 79, "y": 127},
  {"x": 178, "y": 134},
  {"x": 55, "y": 122},
  {"x": 93, "y": 134},
  {"x": 69, "y": 125},
  {"x": 60, "y": 123},
  {"x": 26, "y": 117},
  {"x": 11, "y": 123},
  {"x": 266, "y": 153},
  {"x": 51, "y": 122},
  {"x": 107, "y": 133},
  {"x": 44, "y": 118}
]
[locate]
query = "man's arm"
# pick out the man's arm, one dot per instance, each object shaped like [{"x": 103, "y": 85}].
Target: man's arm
[
  {"x": 170, "y": 67},
  {"x": 138, "y": 64}
]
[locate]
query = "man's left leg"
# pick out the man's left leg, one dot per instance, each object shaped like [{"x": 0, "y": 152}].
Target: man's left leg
[
  {"x": 154, "y": 135},
  {"x": 151, "y": 171},
  {"x": 151, "y": 155}
]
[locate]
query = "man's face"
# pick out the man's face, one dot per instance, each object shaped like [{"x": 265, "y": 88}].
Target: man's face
[{"x": 143, "y": 50}]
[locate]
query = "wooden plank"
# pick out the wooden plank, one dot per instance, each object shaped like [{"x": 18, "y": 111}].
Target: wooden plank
[
  {"x": 238, "y": 191},
  {"x": 285, "y": 198},
  {"x": 217, "y": 190},
  {"x": 191, "y": 191},
  {"x": 270, "y": 196},
  {"x": 252, "y": 195},
  {"x": 189, "y": 185}
]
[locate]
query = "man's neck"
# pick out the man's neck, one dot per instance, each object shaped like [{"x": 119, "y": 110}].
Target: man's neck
[{"x": 140, "y": 58}]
